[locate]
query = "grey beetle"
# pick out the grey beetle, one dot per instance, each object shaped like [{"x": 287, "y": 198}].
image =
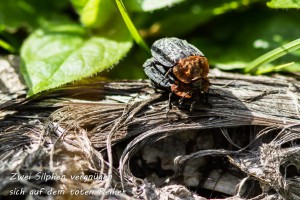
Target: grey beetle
[
  {"x": 158, "y": 74},
  {"x": 168, "y": 51},
  {"x": 180, "y": 68}
]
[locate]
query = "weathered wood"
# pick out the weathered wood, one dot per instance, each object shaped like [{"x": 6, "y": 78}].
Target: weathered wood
[{"x": 72, "y": 124}]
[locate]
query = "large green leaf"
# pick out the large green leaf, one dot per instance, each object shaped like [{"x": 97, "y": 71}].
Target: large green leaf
[
  {"x": 284, "y": 4},
  {"x": 94, "y": 13},
  {"x": 65, "y": 53},
  {"x": 149, "y": 5}
]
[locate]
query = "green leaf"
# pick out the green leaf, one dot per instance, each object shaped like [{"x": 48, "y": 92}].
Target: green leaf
[
  {"x": 284, "y": 4},
  {"x": 150, "y": 5},
  {"x": 94, "y": 13},
  {"x": 62, "y": 54},
  {"x": 30, "y": 13}
]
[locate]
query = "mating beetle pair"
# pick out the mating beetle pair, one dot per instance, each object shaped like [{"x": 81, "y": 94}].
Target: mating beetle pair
[{"x": 178, "y": 67}]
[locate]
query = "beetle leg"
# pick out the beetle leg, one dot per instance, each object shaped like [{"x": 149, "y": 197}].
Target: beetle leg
[
  {"x": 195, "y": 99},
  {"x": 206, "y": 96},
  {"x": 168, "y": 72},
  {"x": 165, "y": 76},
  {"x": 182, "y": 99},
  {"x": 169, "y": 104},
  {"x": 192, "y": 105}
]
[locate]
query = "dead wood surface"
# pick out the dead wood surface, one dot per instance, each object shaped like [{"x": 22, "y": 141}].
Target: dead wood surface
[{"x": 249, "y": 130}]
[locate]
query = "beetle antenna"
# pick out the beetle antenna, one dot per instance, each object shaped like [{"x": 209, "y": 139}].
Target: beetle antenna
[{"x": 169, "y": 103}]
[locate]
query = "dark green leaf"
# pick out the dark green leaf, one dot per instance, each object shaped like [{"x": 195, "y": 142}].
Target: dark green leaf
[{"x": 30, "y": 13}]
